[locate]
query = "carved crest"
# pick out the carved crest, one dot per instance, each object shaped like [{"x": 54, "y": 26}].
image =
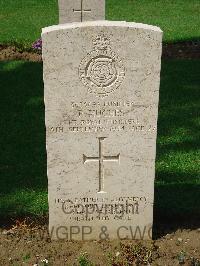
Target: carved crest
[{"x": 101, "y": 71}]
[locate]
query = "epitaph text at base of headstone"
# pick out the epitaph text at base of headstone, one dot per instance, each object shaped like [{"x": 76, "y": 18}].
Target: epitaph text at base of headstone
[
  {"x": 81, "y": 10},
  {"x": 101, "y": 84}
]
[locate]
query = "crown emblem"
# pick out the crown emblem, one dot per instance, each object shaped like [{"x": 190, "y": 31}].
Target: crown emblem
[{"x": 101, "y": 42}]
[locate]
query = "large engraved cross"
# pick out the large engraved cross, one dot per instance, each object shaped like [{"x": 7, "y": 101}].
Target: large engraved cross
[
  {"x": 101, "y": 159},
  {"x": 81, "y": 10}
]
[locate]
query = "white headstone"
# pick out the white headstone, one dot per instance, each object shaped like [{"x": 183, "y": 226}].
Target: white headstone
[
  {"x": 81, "y": 10},
  {"x": 101, "y": 84}
]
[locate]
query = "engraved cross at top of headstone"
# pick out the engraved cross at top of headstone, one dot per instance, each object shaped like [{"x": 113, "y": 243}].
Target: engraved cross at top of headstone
[
  {"x": 101, "y": 159},
  {"x": 81, "y": 10}
]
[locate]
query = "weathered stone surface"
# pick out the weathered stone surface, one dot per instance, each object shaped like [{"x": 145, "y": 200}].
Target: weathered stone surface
[
  {"x": 101, "y": 84},
  {"x": 81, "y": 10}
]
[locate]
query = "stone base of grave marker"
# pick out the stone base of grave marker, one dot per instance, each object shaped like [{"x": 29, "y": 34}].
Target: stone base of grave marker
[{"x": 101, "y": 83}]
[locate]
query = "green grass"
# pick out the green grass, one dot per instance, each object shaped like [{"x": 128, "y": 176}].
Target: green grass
[
  {"x": 178, "y": 145},
  {"x": 83, "y": 260},
  {"x": 179, "y": 19},
  {"x": 21, "y": 21},
  {"x": 23, "y": 180}
]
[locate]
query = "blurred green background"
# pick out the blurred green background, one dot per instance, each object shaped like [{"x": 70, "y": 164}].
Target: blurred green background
[{"x": 21, "y": 21}]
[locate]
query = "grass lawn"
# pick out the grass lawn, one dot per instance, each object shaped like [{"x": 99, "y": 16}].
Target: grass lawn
[
  {"x": 21, "y": 21},
  {"x": 23, "y": 180}
]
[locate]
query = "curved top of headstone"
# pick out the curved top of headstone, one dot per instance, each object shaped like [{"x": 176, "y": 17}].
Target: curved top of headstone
[{"x": 100, "y": 23}]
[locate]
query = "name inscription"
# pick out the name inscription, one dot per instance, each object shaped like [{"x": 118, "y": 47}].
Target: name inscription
[{"x": 106, "y": 116}]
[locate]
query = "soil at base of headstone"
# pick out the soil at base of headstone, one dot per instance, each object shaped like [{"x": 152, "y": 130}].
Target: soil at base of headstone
[
  {"x": 184, "y": 50},
  {"x": 13, "y": 53},
  {"x": 31, "y": 245}
]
